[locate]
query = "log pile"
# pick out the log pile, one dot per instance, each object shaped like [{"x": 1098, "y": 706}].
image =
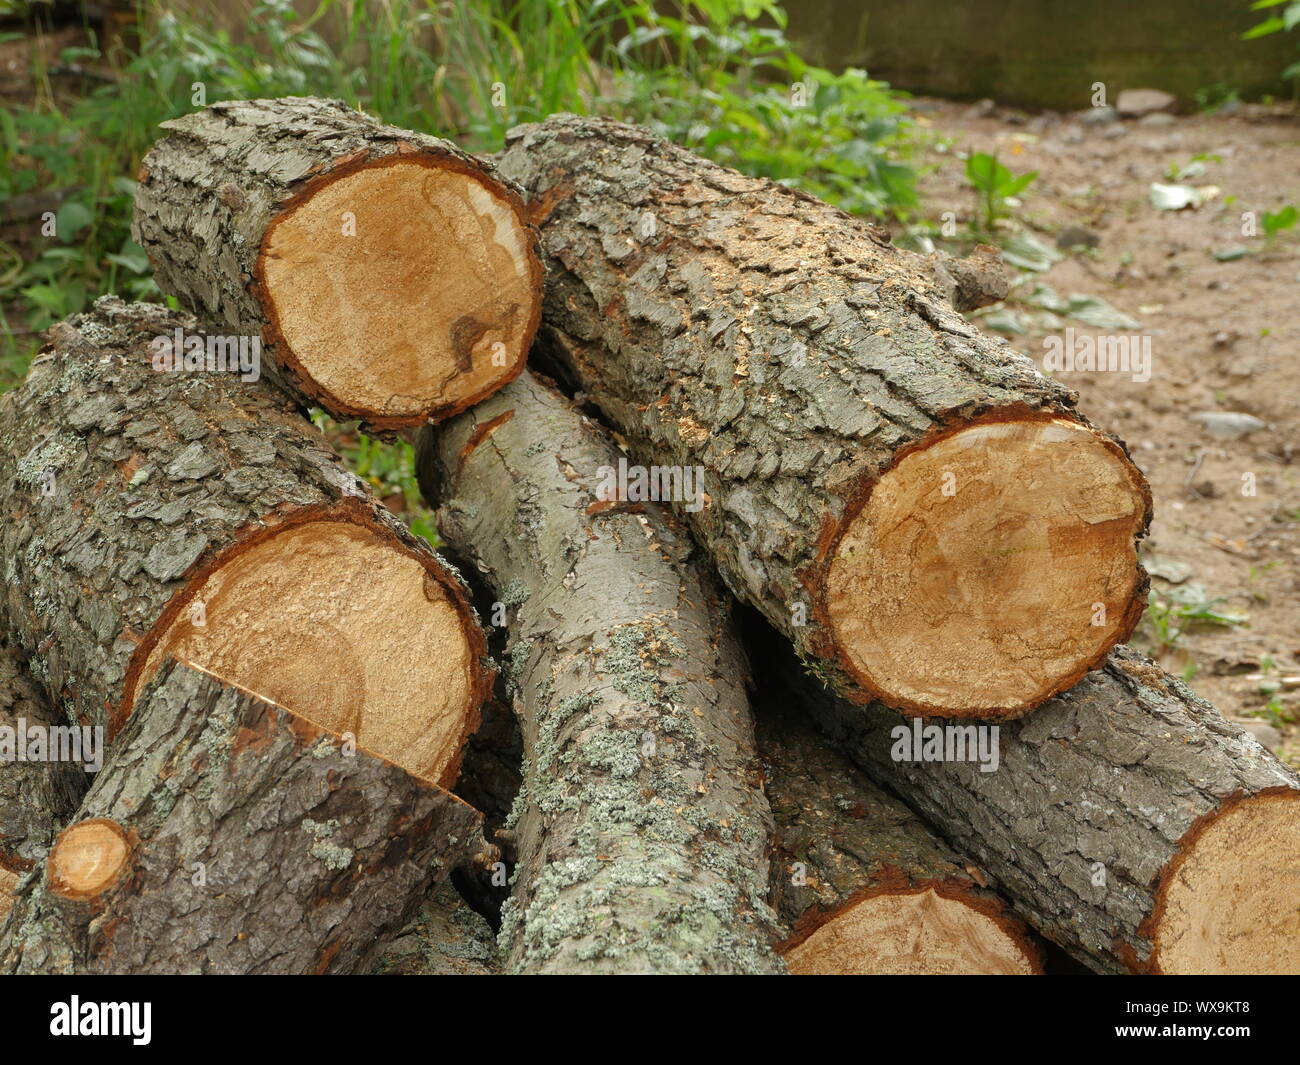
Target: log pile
[{"x": 913, "y": 742}]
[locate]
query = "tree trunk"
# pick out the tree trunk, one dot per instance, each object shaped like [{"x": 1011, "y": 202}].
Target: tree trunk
[
  {"x": 883, "y": 482},
  {"x": 388, "y": 275},
  {"x": 864, "y": 887},
  {"x": 641, "y": 828},
  {"x": 39, "y": 788},
  {"x": 1126, "y": 820},
  {"x": 447, "y": 938},
  {"x": 229, "y": 835},
  {"x": 148, "y": 513}
]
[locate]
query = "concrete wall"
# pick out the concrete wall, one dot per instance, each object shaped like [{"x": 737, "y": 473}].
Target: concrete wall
[{"x": 1046, "y": 53}]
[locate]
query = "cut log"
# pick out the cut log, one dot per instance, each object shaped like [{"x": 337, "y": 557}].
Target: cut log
[
  {"x": 864, "y": 887},
  {"x": 447, "y": 938},
  {"x": 40, "y": 782},
  {"x": 882, "y": 481},
  {"x": 1126, "y": 820},
  {"x": 229, "y": 835},
  {"x": 149, "y": 513},
  {"x": 388, "y": 275},
  {"x": 641, "y": 828}
]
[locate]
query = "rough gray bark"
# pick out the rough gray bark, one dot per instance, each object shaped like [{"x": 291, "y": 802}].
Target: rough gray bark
[
  {"x": 1095, "y": 795},
  {"x": 258, "y": 844},
  {"x": 973, "y": 282},
  {"x": 121, "y": 487},
  {"x": 209, "y": 191},
  {"x": 446, "y": 938},
  {"x": 641, "y": 828},
  {"x": 36, "y": 797},
  {"x": 731, "y": 323},
  {"x": 840, "y": 839}
]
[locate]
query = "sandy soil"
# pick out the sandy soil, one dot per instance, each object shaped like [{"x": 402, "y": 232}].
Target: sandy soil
[{"x": 1225, "y": 336}]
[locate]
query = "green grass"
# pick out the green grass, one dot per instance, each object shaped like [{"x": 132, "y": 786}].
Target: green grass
[{"x": 389, "y": 469}]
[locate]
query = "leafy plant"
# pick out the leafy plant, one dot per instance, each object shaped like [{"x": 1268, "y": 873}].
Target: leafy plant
[
  {"x": 1283, "y": 21},
  {"x": 1275, "y": 712},
  {"x": 994, "y": 184},
  {"x": 388, "y": 469},
  {"x": 735, "y": 91},
  {"x": 1275, "y": 222},
  {"x": 1169, "y": 616}
]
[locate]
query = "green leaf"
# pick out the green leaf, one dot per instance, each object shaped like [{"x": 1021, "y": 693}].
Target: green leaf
[
  {"x": 131, "y": 256},
  {"x": 982, "y": 170},
  {"x": 1018, "y": 185},
  {"x": 1272, "y": 25},
  {"x": 50, "y": 297},
  {"x": 1276, "y": 221},
  {"x": 72, "y": 218}
]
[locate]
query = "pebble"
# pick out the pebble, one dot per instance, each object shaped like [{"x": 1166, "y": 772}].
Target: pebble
[
  {"x": 1077, "y": 236},
  {"x": 1228, "y": 423},
  {"x": 1135, "y": 103},
  {"x": 1098, "y": 116}
]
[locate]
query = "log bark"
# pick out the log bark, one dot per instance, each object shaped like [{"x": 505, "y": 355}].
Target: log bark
[
  {"x": 641, "y": 828},
  {"x": 1126, "y": 820},
  {"x": 388, "y": 275},
  {"x": 864, "y": 887},
  {"x": 148, "y": 513},
  {"x": 447, "y": 938},
  {"x": 38, "y": 792},
  {"x": 880, "y": 480},
  {"x": 231, "y": 836}
]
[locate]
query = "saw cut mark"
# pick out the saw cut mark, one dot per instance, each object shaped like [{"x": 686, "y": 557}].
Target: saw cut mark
[
  {"x": 990, "y": 568},
  {"x": 329, "y": 621},
  {"x": 1233, "y": 902},
  {"x": 916, "y": 934},
  {"x": 87, "y": 859},
  {"x": 376, "y": 310}
]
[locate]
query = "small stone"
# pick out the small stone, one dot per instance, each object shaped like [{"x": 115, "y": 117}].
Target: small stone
[
  {"x": 1228, "y": 423},
  {"x": 1077, "y": 237},
  {"x": 1158, "y": 119},
  {"x": 1135, "y": 103},
  {"x": 1098, "y": 116}
]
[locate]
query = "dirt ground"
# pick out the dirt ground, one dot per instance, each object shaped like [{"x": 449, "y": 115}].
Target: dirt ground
[{"x": 1225, "y": 336}]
